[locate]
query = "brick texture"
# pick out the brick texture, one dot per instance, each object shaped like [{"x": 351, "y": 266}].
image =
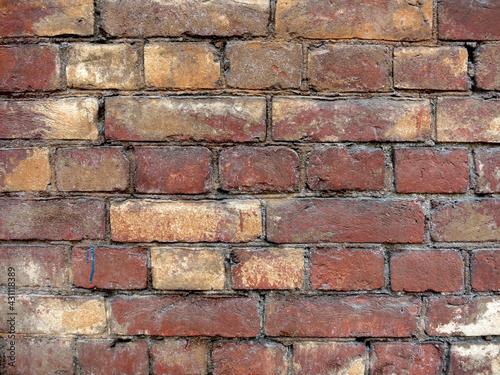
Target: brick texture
[
  {"x": 484, "y": 270},
  {"x": 180, "y": 357},
  {"x": 25, "y": 169},
  {"x": 488, "y": 170},
  {"x": 487, "y": 68}
]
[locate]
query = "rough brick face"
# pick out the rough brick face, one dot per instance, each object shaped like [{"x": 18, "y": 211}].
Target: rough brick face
[
  {"x": 485, "y": 270},
  {"x": 488, "y": 67},
  {"x": 25, "y": 169},
  {"x": 349, "y": 68},
  {"x": 488, "y": 170},
  {"x": 258, "y": 169},
  {"x": 474, "y": 358},
  {"x": 179, "y": 357}
]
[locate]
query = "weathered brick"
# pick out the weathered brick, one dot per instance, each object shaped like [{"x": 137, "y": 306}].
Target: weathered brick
[
  {"x": 431, "y": 170},
  {"x": 260, "y": 65},
  {"x": 56, "y": 315},
  {"x": 329, "y": 316},
  {"x": 24, "y": 169},
  {"x": 364, "y": 19},
  {"x": 68, "y": 118},
  {"x": 188, "y": 17},
  {"x": 91, "y": 169},
  {"x": 147, "y": 220},
  {"x": 297, "y": 119},
  {"x": 103, "y": 66},
  {"x": 347, "y": 269},
  {"x": 105, "y": 357},
  {"x": 407, "y": 358},
  {"x": 339, "y": 168},
  {"x": 469, "y": 20},
  {"x": 259, "y": 169},
  {"x": 488, "y": 67},
  {"x": 344, "y": 220},
  {"x": 179, "y": 357},
  {"x": 471, "y": 220},
  {"x": 468, "y": 358},
  {"x": 53, "y": 219},
  {"x": 35, "y": 356},
  {"x": 46, "y": 18},
  {"x": 488, "y": 170},
  {"x": 485, "y": 270},
  {"x": 173, "y": 170},
  {"x": 329, "y": 358},
  {"x": 200, "y": 119},
  {"x": 268, "y": 269},
  {"x": 463, "y": 316},
  {"x": 128, "y": 271},
  {"x": 181, "y": 65},
  {"x": 248, "y": 358},
  {"x": 185, "y": 316},
  {"x": 36, "y": 266},
  {"x": 187, "y": 269},
  {"x": 468, "y": 120},
  {"x": 434, "y": 270},
  {"x": 431, "y": 68},
  {"x": 30, "y": 67},
  {"x": 350, "y": 68}
]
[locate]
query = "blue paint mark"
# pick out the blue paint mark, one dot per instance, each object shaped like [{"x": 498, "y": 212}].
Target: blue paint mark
[{"x": 93, "y": 262}]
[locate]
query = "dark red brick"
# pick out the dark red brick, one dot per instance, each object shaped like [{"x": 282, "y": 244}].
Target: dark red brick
[
  {"x": 344, "y": 220},
  {"x": 488, "y": 170},
  {"x": 485, "y": 270},
  {"x": 185, "y": 316},
  {"x": 488, "y": 67},
  {"x": 128, "y": 270},
  {"x": 173, "y": 170},
  {"x": 335, "y": 168},
  {"x": 179, "y": 357},
  {"x": 347, "y": 269},
  {"x": 259, "y": 169},
  {"x": 53, "y": 219},
  {"x": 431, "y": 170}
]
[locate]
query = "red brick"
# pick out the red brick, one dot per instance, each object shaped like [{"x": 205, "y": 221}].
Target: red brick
[
  {"x": 185, "y": 316},
  {"x": 431, "y": 170},
  {"x": 431, "y": 68},
  {"x": 364, "y": 19},
  {"x": 347, "y": 269},
  {"x": 268, "y": 269},
  {"x": 488, "y": 67},
  {"x": 336, "y": 168},
  {"x": 469, "y": 20},
  {"x": 189, "y": 17},
  {"x": 179, "y": 357},
  {"x": 128, "y": 270},
  {"x": 329, "y": 358},
  {"x": 29, "y": 68},
  {"x": 24, "y": 169},
  {"x": 480, "y": 358},
  {"x": 259, "y": 169},
  {"x": 67, "y": 118},
  {"x": 173, "y": 170},
  {"x": 485, "y": 270},
  {"x": 260, "y": 65},
  {"x": 330, "y": 316},
  {"x": 468, "y": 120},
  {"x": 46, "y": 18},
  {"x": 463, "y": 316},
  {"x": 248, "y": 358},
  {"x": 407, "y": 358},
  {"x": 53, "y": 219},
  {"x": 471, "y": 220},
  {"x": 344, "y": 220},
  {"x": 350, "y": 68},
  {"x": 376, "y": 119},
  {"x": 36, "y": 266},
  {"x": 105, "y": 357},
  {"x": 434, "y": 270},
  {"x": 200, "y": 119},
  {"x": 35, "y": 356},
  {"x": 488, "y": 170},
  {"x": 91, "y": 169}
]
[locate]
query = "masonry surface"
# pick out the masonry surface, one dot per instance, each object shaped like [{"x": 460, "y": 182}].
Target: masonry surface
[{"x": 269, "y": 187}]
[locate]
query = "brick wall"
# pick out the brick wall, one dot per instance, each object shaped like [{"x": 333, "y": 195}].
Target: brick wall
[{"x": 268, "y": 187}]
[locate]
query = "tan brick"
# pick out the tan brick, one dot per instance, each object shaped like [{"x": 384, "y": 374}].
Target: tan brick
[
  {"x": 181, "y": 65},
  {"x": 210, "y": 221},
  {"x": 187, "y": 269},
  {"x": 24, "y": 169},
  {"x": 480, "y": 358},
  {"x": 180, "y": 357},
  {"x": 103, "y": 66}
]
